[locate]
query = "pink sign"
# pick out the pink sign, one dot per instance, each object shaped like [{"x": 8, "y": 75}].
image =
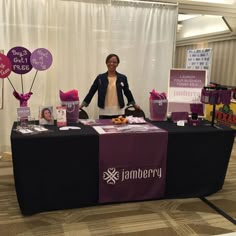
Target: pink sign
[
  {"x": 41, "y": 59},
  {"x": 5, "y": 66}
]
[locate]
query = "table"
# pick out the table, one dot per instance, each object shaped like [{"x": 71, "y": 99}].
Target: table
[
  {"x": 197, "y": 159},
  {"x": 55, "y": 170},
  {"x": 59, "y": 169}
]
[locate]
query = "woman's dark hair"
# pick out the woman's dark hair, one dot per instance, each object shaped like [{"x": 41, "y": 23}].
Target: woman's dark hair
[
  {"x": 45, "y": 109},
  {"x": 112, "y": 55}
]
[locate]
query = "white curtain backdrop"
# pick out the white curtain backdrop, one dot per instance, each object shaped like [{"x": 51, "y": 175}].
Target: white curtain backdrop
[{"x": 80, "y": 34}]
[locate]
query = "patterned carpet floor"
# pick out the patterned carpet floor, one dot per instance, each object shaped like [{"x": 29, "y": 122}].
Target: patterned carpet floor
[{"x": 212, "y": 215}]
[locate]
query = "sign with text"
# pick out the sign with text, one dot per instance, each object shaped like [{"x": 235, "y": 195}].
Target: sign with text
[
  {"x": 185, "y": 88},
  {"x": 136, "y": 172},
  {"x": 23, "y": 112},
  {"x": 5, "y": 66},
  {"x": 225, "y": 114},
  {"x": 199, "y": 59},
  {"x": 20, "y": 60},
  {"x": 41, "y": 59}
]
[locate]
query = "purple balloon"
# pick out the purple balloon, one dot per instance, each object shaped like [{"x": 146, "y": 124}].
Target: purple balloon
[
  {"x": 41, "y": 59},
  {"x": 20, "y": 60}
]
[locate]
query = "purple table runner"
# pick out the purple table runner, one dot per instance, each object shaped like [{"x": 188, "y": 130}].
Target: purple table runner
[{"x": 132, "y": 165}]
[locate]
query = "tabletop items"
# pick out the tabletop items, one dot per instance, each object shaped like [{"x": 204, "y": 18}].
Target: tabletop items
[
  {"x": 70, "y": 99},
  {"x": 215, "y": 95},
  {"x": 119, "y": 120},
  {"x": 212, "y": 94},
  {"x": 158, "y": 105}
]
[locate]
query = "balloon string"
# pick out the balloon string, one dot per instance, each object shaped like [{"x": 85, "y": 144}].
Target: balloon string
[
  {"x": 11, "y": 83},
  {"x": 33, "y": 80},
  {"x": 22, "y": 84}
]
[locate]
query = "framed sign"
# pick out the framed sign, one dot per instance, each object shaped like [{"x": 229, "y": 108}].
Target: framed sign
[
  {"x": 1, "y": 87},
  {"x": 185, "y": 88},
  {"x": 200, "y": 59}
]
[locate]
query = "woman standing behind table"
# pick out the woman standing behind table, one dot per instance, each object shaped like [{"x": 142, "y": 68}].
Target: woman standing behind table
[{"x": 110, "y": 86}]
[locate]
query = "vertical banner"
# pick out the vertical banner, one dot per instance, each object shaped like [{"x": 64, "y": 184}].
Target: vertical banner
[
  {"x": 185, "y": 88},
  {"x": 136, "y": 172},
  {"x": 200, "y": 59},
  {"x": 1, "y": 87}
]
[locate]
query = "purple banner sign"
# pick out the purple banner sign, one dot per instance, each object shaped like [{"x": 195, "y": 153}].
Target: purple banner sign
[
  {"x": 132, "y": 166},
  {"x": 20, "y": 60},
  {"x": 185, "y": 88},
  {"x": 5, "y": 66},
  {"x": 187, "y": 78},
  {"x": 41, "y": 59}
]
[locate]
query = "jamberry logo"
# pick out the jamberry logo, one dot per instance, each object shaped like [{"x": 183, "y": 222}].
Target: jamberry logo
[{"x": 111, "y": 175}]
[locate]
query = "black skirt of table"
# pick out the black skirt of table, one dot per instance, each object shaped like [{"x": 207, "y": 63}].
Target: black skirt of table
[
  {"x": 56, "y": 169},
  {"x": 197, "y": 159},
  {"x": 59, "y": 169}
]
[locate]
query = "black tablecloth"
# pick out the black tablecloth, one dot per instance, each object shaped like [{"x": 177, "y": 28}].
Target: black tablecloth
[
  {"x": 56, "y": 169},
  {"x": 197, "y": 158},
  {"x": 59, "y": 169}
]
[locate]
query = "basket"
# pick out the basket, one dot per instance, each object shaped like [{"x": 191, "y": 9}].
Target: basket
[{"x": 158, "y": 109}]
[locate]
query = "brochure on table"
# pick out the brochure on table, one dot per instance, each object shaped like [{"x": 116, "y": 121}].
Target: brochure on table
[
  {"x": 25, "y": 123},
  {"x": 127, "y": 128}
]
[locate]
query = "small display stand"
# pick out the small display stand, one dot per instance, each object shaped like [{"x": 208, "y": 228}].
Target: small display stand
[{"x": 214, "y": 96}]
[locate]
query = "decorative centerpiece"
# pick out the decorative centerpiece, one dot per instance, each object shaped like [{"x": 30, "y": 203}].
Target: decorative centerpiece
[{"x": 21, "y": 61}]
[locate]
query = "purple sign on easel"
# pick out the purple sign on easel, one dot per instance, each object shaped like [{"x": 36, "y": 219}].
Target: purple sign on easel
[
  {"x": 5, "y": 66},
  {"x": 20, "y": 60},
  {"x": 41, "y": 59}
]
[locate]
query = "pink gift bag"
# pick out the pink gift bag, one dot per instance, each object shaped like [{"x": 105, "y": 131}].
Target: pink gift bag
[
  {"x": 158, "y": 109},
  {"x": 70, "y": 99}
]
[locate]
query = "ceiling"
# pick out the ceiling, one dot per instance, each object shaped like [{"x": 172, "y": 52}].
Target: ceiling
[{"x": 210, "y": 20}]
